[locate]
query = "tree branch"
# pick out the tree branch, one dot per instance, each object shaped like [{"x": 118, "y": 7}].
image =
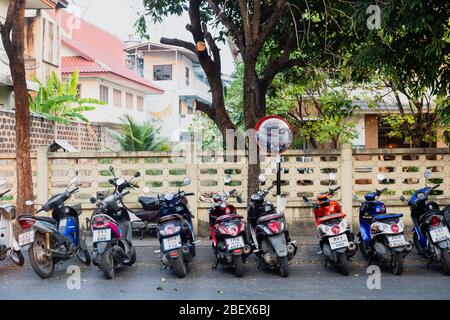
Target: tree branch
[
  {"x": 271, "y": 21},
  {"x": 178, "y": 43},
  {"x": 212, "y": 44},
  {"x": 207, "y": 109}
]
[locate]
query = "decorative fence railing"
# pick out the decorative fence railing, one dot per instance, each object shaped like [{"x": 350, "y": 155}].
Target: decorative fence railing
[{"x": 304, "y": 173}]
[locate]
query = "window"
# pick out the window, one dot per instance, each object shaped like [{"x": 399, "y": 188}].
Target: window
[
  {"x": 140, "y": 103},
  {"x": 104, "y": 94},
  {"x": 162, "y": 72},
  {"x": 129, "y": 101},
  {"x": 79, "y": 90},
  {"x": 117, "y": 98},
  {"x": 50, "y": 40},
  {"x": 187, "y": 73}
]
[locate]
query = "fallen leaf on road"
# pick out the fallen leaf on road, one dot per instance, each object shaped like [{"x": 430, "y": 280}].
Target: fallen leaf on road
[
  {"x": 220, "y": 291},
  {"x": 159, "y": 288}
]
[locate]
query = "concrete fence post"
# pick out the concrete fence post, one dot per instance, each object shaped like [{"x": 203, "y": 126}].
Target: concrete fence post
[
  {"x": 192, "y": 172},
  {"x": 347, "y": 180},
  {"x": 42, "y": 174}
]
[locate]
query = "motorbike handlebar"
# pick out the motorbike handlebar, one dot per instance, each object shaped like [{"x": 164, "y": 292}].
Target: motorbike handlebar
[
  {"x": 189, "y": 194},
  {"x": 335, "y": 189},
  {"x": 40, "y": 210},
  {"x": 435, "y": 187},
  {"x": 2, "y": 194}
]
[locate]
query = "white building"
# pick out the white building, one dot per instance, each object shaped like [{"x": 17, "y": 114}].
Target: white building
[{"x": 178, "y": 72}]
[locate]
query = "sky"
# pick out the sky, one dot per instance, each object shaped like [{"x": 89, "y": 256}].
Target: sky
[{"x": 118, "y": 17}]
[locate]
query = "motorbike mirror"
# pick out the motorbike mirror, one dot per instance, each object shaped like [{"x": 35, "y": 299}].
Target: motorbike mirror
[
  {"x": 332, "y": 176},
  {"x": 262, "y": 178},
  {"x": 111, "y": 168},
  {"x": 305, "y": 199},
  {"x": 355, "y": 197},
  {"x": 402, "y": 198},
  {"x": 202, "y": 198},
  {"x": 428, "y": 173},
  {"x": 146, "y": 190},
  {"x": 2, "y": 182},
  {"x": 137, "y": 174},
  {"x": 239, "y": 199},
  {"x": 380, "y": 177},
  {"x": 29, "y": 202},
  {"x": 93, "y": 200},
  {"x": 187, "y": 181},
  {"x": 120, "y": 181},
  {"x": 227, "y": 179}
]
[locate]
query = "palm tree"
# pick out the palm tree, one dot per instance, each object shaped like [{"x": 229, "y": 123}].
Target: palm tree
[
  {"x": 59, "y": 101},
  {"x": 139, "y": 137}
]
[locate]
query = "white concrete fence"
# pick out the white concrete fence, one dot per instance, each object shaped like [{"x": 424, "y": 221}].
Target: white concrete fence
[{"x": 304, "y": 173}]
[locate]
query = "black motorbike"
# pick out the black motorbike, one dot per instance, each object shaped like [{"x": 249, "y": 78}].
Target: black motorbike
[
  {"x": 54, "y": 238},
  {"x": 111, "y": 230},
  {"x": 431, "y": 226},
  {"x": 268, "y": 231},
  {"x": 176, "y": 232}
]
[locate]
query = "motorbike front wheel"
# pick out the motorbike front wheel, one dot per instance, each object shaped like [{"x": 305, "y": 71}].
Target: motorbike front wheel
[
  {"x": 179, "y": 268},
  {"x": 397, "y": 263},
  {"x": 17, "y": 257},
  {"x": 445, "y": 260},
  {"x": 84, "y": 256},
  {"x": 362, "y": 246},
  {"x": 41, "y": 263},
  {"x": 343, "y": 263},
  {"x": 238, "y": 266},
  {"x": 107, "y": 263},
  {"x": 284, "y": 267}
]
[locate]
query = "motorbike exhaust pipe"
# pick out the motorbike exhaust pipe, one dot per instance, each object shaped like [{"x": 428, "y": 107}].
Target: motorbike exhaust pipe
[
  {"x": 351, "y": 246},
  {"x": 247, "y": 250},
  {"x": 409, "y": 246},
  {"x": 185, "y": 250}
]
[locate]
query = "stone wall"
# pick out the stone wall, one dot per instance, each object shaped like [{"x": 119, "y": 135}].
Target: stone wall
[{"x": 84, "y": 137}]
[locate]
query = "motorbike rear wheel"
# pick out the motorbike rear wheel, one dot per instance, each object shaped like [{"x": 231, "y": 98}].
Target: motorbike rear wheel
[
  {"x": 17, "y": 257},
  {"x": 238, "y": 266},
  {"x": 284, "y": 267},
  {"x": 343, "y": 263},
  {"x": 445, "y": 260},
  {"x": 397, "y": 263},
  {"x": 107, "y": 263},
  {"x": 179, "y": 268},
  {"x": 43, "y": 265}
]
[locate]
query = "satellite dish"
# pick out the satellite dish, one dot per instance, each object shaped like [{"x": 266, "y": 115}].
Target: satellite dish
[{"x": 30, "y": 62}]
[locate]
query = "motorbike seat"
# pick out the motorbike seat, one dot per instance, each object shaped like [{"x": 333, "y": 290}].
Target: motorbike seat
[
  {"x": 170, "y": 217},
  {"x": 146, "y": 215},
  {"x": 387, "y": 216},
  {"x": 269, "y": 217},
  {"x": 148, "y": 201},
  {"x": 40, "y": 218},
  {"x": 331, "y": 217},
  {"x": 228, "y": 217}
]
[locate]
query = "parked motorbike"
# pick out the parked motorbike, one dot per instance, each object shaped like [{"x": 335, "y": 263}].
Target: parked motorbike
[
  {"x": 430, "y": 234},
  {"x": 111, "y": 230},
  {"x": 269, "y": 232},
  {"x": 336, "y": 238},
  {"x": 146, "y": 219},
  {"x": 227, "y": 229},
  {"x": 55, "y": 238},
  {"x": 176, "y": 232},
  {"x": 9, "y": 247},
  {"x": 381, "y": 235}
]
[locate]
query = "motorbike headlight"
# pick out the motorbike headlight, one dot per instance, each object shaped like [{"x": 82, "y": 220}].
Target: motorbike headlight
[{"x": 421, "y": 196}]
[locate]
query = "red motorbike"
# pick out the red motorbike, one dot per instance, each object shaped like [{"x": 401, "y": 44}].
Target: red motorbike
[
  {"x": 336, "y": 238},
  {"x": 228, "y": 234}
]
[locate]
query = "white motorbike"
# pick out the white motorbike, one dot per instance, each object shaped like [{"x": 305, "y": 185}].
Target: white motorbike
[{"x": 9, "y": 248}]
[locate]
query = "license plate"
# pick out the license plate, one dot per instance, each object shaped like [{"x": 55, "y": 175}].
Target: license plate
[
  {"x": 101, "y": 235},
  {"x": 397, "y": 241},
  {"x": 234, "y": 243},
  {"x": 338, "y": 242},
  {"x": 26, "y": 238},
  {"x": 172, "y": 243},
  {"x": 440, "y": 234}
]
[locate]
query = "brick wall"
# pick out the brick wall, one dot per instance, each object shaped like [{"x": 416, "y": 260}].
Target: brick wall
[{"x": 84, "y": 137}]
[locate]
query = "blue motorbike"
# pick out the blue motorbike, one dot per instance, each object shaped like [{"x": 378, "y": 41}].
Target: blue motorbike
[
  {"x": 57, "y": 238},
  {"x": 381, "y": 235},
  {"x": 176, "y": 232},
  {"x": 431, "y": 226}
]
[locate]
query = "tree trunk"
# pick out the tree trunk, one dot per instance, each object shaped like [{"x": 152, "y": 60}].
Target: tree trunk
[
  {"x": 251, "y": 118},
  {"x": 13, "y": 35}
]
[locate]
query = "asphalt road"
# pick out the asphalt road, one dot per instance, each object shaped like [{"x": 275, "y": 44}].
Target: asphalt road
[{"x": 147, "y": 280}]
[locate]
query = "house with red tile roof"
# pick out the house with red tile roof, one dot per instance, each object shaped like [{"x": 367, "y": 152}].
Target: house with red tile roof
[{"x": 100, "y": 59}]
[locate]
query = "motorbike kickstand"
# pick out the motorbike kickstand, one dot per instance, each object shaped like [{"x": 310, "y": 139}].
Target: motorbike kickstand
[
  {"x": 326, "y": 262},
  {"x": 216, "y": 265},
  {"x": 142, "y": 235}
]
